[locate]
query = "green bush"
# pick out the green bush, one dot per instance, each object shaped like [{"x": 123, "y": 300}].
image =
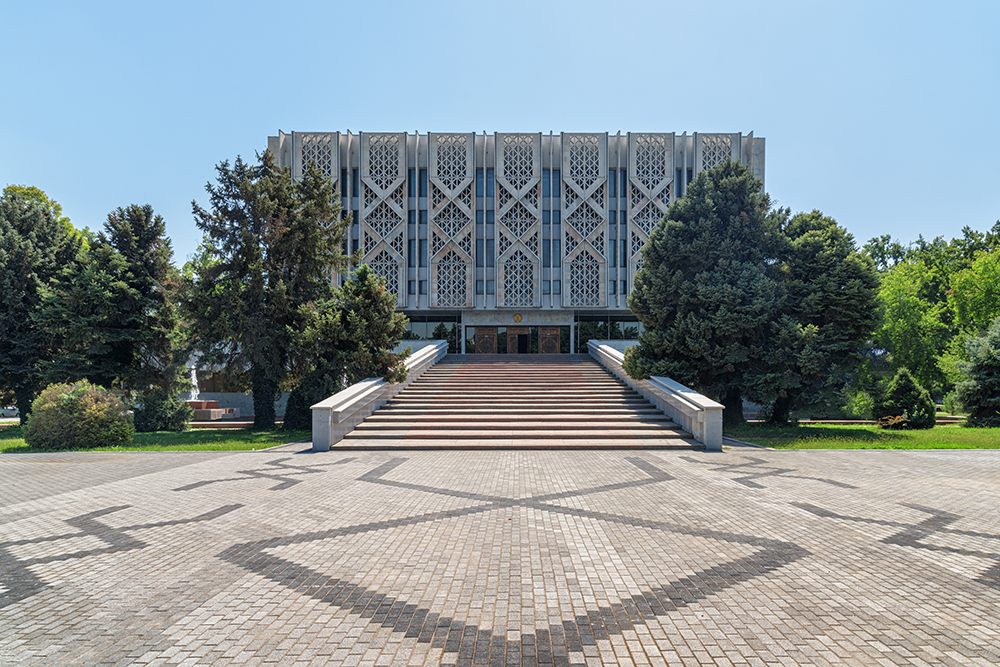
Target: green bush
[
  {"x": 316, "y": 386},
  {"x": 951, "y": 404},
  {"x": 859, "y": 404},
  {"x": 159, "y": 410},
  {"x": 907, "y": 399},
  {"x": 76, "y": 416},
  {"x": 979, "y": 393}
]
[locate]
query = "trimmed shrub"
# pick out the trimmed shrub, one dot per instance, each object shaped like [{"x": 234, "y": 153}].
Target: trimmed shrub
[
  {"x": 159, "y": 410},
  {"x": 907, "y": 399},
  {"x": 76, "y": 416}
]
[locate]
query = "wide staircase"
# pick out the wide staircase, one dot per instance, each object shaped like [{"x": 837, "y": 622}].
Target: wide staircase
[{"x": 517, "y": 402}]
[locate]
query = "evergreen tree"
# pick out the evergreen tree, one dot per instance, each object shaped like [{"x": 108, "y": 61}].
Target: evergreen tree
[
  {"x": 351, "y": 338},
  {"x": 34, "y": 246},
  {"x": 906, "y": 400},
  {"x": 269, "y": 246},
  {"x": 831, "y": 312},
  {"x": 709, "y": 290},
  {"x": 979, "y": 393}
]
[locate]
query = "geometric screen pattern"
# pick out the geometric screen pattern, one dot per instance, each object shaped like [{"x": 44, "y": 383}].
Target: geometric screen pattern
[
  {"x": 451, "y": 219},
  {"x": 651, "y": 178},
  {"x": 585, "y": 214},
  {"x": 321, "y": 148},
  {"x": 519, "y": 224},
  {"x": 383, "y": 207},
  {"x": 715, "y": 149}
]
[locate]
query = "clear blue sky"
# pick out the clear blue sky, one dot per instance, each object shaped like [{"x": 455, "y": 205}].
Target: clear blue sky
[{"x": 883, "y": 115}]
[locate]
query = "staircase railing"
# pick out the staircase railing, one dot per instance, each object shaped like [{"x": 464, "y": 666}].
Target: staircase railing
[
  {"x": 338, "y": 415},
  {"x": 698, "y": 415}
]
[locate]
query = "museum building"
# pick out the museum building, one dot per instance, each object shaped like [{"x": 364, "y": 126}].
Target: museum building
[{"x": 512, "y": 243}]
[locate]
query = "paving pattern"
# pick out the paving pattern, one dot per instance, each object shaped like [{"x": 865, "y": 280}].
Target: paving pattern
[{"x": 659, "y": 557}]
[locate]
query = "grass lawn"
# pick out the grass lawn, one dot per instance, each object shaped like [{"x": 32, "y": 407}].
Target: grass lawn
[
  {"x": 201, "y": 440},
  {"x": 830, "y": 436}
]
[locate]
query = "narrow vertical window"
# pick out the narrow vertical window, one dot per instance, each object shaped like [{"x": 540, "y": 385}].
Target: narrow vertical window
[
  {"x": 491, "y": 287},
  {"x": 423, "y": 182},
  {"x": 689, "y": 178},
  {"x": 677, "y": 184},
  {"x": 356, "y": 218},
  {"x": 479, "y": 183},
  {"x": 480, "y": 261},
  {"x": 612, "y": 178},
  {"x": 624, "y": 182},
  {"x": 557, "y": 287},
  {"x": 546, "y": 256},
  {"x": 613, "y": 215},
  {"x": 611, "y": 287},
  {"x": 423, "y": 217},
  {"x": 479, "y": 217},
  {"x": 611, "y": 254},
  {"x": 491, "y": 217},
  {"x": 624, "y": 254},
  {"x": 411, "y": 254},
  {"x": 411, "y": 183},
  {"x": 555, "y": 182},
  {"x": 423, "y": 253},
  {"x": 489, "y": 253},
  {"x": 556, "y": 254},
  {"x": 555, "y": 221},
  {"x": 546, "y": 179},
  {"x": 423, "y": 287},
  {"x": 490, "y": 183},
  {"x": 411, "y": 217},
  {"x": 343, "y": 182},
  {"x": 355, "y": 182},
  {"x": 546, "y": 217}
]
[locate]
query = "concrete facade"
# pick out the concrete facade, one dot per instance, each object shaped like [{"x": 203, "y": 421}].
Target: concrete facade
[{"x": 503, "y": 230}]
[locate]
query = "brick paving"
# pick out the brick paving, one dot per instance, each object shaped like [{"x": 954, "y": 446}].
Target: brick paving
[{"x": 643, "y": 557}]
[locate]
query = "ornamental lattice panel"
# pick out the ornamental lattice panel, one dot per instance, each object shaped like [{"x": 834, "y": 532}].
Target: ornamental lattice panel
[
  {"x": 651, "y": 178},
  {"x": 321, "y": 148},
  {"x": 452, "y": 232},
  {"x": 518, "y": 219},
  {"x": 585, "y": 218},
  {"x": 383, "y": 207},
  {"x": 714, "y": 149}
]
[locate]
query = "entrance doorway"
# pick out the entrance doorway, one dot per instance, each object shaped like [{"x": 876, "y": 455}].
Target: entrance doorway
[
  {"x": 518, "y": 340},
  {"x": 549, "y": 341},
  {"x": 486, "y": 340}
]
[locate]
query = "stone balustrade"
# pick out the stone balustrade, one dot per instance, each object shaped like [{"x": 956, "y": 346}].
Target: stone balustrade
[
  {"x": 338, "y": 415},
  {"x": 698, "y": 415}
]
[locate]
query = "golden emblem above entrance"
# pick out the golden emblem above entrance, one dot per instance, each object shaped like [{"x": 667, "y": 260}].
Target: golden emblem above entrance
[{"x": 517, "y": 317}]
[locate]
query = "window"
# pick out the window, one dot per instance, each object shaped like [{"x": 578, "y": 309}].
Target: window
[
  {"x": 624, "y": 291},
  {"x": 546, "y": 217},
  {"x": 491, "y": 217},
  {"x": 612, "y": 260},
  {"x": 423, "y": 182},
  {"x": 546, "y": 253},
  {"x": 556, "y": 253},
  {"x": 411, "y": 183},
  {"x": 555, "y": 220},
  {"x": 355, "y": 182},
  {"x": 343, "y": 182},
  {"x": 479, "y": 287},
  {"x": 411, "y": 217},
  {"x": 612, "y": 177},
  {"x": 489, "y": 255},
  {"x": 411, "y": 286},
  {"x": 490, "y": 183},
  {"x": 611, "y": 287},
  {"x": 546, "y": 287},
  {"x": 555, "y": 182},
  {"x": 557, "y": 287},
  {"x": 690, "y": 177},
  {"x": 677, "y": 184},
  {"x": 491, "y": 287},
  {"x": 411, "y": 254},
  {"x": 423, "y": 217},
  {"x": 354, "y": 245},
  {"x": 479, "y": 255},
  {"x": 624, "y": 182},
  {"x": 613, "y": 215},
  {"x": 624, "y": 254},
  {"x": 479, "y": 217},
  {"x": 479, "y": 183},
  {"x": 356, "y": 218},
  {"x": 546, "y": 179},
  {"x": 423, "y": 287},
  {"x": 423, "y": 253}
]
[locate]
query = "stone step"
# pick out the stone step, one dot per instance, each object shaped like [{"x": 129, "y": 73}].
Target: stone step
[
  {"x": 417, "y": 444},
  {"x": 485, "y": 434},
  {"x": 515, "y": 425}
]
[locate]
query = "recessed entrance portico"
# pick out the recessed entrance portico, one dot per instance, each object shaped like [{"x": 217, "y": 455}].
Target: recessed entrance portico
[{"x": 516, "y": 332}]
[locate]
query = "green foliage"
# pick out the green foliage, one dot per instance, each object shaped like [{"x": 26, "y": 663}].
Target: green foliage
[
  {"x": 78, "y": 415},
  {"x": 906, "y": 399},
  {"x": 859, "y": 404},
  {"x": 160, "y": 410},
  {"x": 912, "y": 328},
  {"x": 951, "y": 404},
  {"x": 979, "y": 394},
  {"x": 708, "y": 289},
  {"x": 351, "y": 339},
  {"x": 37, "y": 197},
  {"x": 830, "y": 311},
  {"x": 34, "y": 247},
  {"x": 269, "y": 245},
  {"x": 975, "y": 292}
]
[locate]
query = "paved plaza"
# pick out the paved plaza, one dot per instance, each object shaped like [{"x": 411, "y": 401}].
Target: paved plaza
[{"x": 745, "y": 557}]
